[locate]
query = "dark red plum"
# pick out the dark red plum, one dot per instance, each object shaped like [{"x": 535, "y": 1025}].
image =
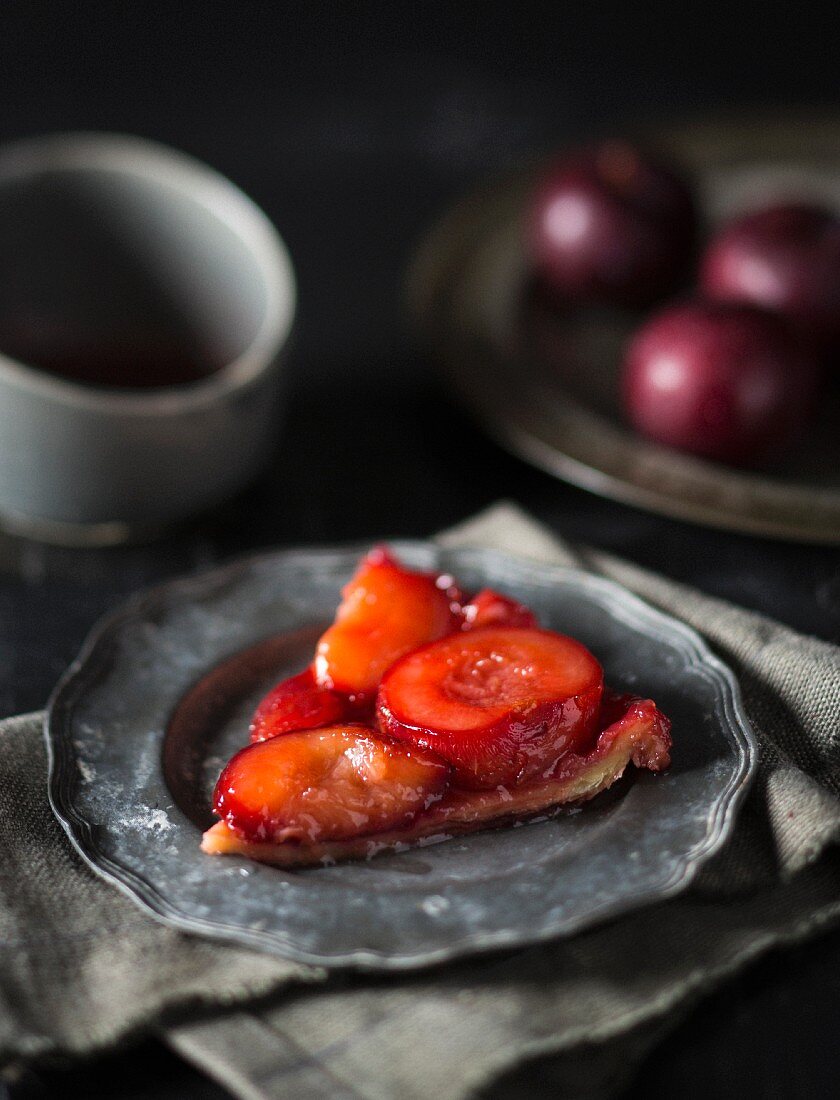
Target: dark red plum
[
  {"x": 728, "y": 382},
  {"x": 611, "y": 226},
  {"x": 785, "y": 258}
]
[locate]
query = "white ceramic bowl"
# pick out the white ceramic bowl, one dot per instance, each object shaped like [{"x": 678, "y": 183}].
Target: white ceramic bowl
[{"x": 122, "y": 238}]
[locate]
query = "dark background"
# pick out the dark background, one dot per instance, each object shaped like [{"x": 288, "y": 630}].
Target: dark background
[{"x": 352, "y": 125}]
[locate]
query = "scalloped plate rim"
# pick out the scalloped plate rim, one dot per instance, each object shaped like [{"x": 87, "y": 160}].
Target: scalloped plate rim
[{"x": 148, "y": 897}]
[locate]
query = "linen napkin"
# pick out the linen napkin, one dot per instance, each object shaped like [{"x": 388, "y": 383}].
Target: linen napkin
[{"x": 81, "y": 968}]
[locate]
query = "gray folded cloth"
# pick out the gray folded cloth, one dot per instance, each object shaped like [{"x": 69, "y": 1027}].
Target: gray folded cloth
[{"x": 82, "y": 968}]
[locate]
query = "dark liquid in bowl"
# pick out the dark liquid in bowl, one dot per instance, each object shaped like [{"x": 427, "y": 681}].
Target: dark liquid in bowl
[{"x": 132, "y": 363}]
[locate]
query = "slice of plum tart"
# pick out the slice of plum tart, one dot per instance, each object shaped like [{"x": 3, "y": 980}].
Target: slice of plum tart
[{"x": 426, "y": 714}]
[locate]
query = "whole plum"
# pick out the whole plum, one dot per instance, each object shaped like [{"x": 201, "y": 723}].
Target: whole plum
[
  {"x": 728, "y": 382},
  {"x": 610, "y": 225},
  {"x": 785, "y": 258}
]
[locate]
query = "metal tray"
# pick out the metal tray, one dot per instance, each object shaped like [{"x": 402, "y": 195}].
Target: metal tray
[{"x": 545, "y": 384}]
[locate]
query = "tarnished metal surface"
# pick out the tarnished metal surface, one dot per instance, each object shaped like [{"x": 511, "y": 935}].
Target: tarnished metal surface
[{"x": 141, "y": 724}]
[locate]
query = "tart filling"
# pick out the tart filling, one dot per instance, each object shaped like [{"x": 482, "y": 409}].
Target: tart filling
[
  {"x": 639, "y": 736},
  {"x": 426, "y": 714}
]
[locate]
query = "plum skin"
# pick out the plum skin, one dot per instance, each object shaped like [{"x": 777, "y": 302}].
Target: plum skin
[
  {"x": 727, "y": 382},
  {"x": 298, "y": 703},
  {"x": 785, "y": 257},
  {"x": 610, "y": 225},
  {"x": 501, "y": 705},
  {"x": 326, "y": 783}
]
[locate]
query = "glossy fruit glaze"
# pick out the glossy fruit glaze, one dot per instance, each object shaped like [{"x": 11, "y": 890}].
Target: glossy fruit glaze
[
  {"x": 490, "y": 608},
  {"x": 786, "y": 258},
  {"x": 326, "y": 784},
  {"x": 728, "y": 382},
  {"x": 631, "y": 731},
  {"x": 385, "y": 612},
  {"x": 480, "y": 716},
  {"x": 500, "y": 704},
  {"x": 611, "y": 225},
  {"x": 298, "y": 703}
]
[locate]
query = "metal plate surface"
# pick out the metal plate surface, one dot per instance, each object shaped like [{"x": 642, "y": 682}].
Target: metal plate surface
[{"x": 141, "y": 724}]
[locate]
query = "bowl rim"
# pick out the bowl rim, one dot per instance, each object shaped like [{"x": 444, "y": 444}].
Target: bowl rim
[{"x": 158, "y": 164}]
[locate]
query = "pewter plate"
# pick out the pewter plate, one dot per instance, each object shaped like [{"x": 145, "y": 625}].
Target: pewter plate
[
  {"x": 141, "y": 724},
  {"x": 545, "y": 383}
]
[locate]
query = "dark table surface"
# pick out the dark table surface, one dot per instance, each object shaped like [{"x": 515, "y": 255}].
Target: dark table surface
[{"x": 353, "y": 125}]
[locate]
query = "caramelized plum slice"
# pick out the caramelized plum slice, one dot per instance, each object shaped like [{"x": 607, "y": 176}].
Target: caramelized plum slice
[
  {"x": 501, "y": 705},
  {"x": 298, "y": 704},
  {"x": 491, "y": 608},
  {"x": 326, "y": 784},
  {"x": 386, "y": 611},
  {"x": 638, "y": 733}
]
